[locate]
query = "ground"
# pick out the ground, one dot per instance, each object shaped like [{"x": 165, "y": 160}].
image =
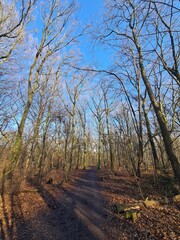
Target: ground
[{"x": 82, "y": 209}]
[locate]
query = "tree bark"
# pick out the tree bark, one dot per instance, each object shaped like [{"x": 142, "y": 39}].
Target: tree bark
[
  {"x": 150, "y": 136},
  {"x": 160, "y": 117}
]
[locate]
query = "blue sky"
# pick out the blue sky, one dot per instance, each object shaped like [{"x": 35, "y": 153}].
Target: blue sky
[
  {"x": 89, "y": 9},
  {"x": 90, "y": 12}
]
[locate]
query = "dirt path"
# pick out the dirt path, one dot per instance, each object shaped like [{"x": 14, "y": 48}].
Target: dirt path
[
  {"x": 77, "y": 214},
  {"x": 87, "y": 208},
  {"x": 82, "y": 210}
]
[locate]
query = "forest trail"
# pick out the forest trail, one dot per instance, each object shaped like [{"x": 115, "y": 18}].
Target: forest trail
[
  {"x": 82, "y": 209},
  {"x": 74, "y": 212},
  {"x": 85, "y": 206}
]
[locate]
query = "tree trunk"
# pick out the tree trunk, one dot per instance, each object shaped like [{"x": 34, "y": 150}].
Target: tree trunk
[
  {"x": 153, "y": 147},
  {"x": 85, "y": 149},
  {"x": 99, "y": 147},
  {"x": 17, "y": 147},
  {"x": 160, "y": 117},
  {"x": 140, "y": 131}
]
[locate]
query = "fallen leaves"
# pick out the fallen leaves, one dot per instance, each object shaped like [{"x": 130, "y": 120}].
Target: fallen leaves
[
  {"x": 159, "y": 219},
  {"x": 42, "y": 214}
]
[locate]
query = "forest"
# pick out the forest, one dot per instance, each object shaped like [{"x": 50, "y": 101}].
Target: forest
[{"x": 107, "y": 126}]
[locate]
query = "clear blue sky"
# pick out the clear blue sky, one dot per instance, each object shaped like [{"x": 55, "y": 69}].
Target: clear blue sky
[{"x": 89, "y": 9}]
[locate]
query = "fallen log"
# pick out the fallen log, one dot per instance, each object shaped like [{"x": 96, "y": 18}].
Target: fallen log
[
  {"x": 132, "y": 214},
  {"x": 120, "y": 208},
  {"x": 151, "y": 203},
  {"x": 132, "y": 211}
]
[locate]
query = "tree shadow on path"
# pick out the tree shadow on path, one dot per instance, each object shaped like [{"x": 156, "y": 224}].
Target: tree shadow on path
[
  {"x": 13, "y": 220},
  {"x": 76, "y": 215}
]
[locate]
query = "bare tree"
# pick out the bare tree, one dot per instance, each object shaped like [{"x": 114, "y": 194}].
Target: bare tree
[
  {"x": 150, "y": 136},
  {"x": 56, "y": 19},
  {"x": 126, "y": 24},
  {"x": 98, "y": 112},
  {"x": 167, "y": 26},
  {"x": 74, "y": 88},
  {"x": 14, "y": 15},
  {"x": 83, "y": 120},
  {"x": 109, "y": 106}
]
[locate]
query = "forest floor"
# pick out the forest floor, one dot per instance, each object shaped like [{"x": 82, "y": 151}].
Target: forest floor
[{"x": 82, "y": 209}]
